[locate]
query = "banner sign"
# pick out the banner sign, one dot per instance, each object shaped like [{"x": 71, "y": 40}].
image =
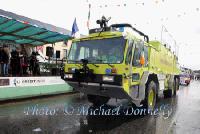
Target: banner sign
[{"x": 29, "y": 81}]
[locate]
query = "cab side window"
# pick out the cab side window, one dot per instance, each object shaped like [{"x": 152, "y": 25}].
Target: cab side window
[
  {"x": 137, "y": 53},
  {"x": 129, "y": 52}
]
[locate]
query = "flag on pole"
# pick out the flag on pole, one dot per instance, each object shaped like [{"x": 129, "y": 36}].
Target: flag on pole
[
  {"x": 88, "y": 21},
  {"x": 74, "y": 28}
]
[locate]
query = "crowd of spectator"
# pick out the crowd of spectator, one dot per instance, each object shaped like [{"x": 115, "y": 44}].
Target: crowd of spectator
[{"x": 17, "y": 63}]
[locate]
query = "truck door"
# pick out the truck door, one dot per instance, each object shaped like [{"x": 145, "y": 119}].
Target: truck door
[
  {"x": 128, "y": 63},
  {"x": 137, "y": 68}
]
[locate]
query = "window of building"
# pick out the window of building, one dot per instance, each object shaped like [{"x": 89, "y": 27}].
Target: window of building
[{"x": 58, "y": 54}]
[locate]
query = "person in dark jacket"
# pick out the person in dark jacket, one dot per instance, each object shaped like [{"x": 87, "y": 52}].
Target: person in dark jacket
[
  {"x": 15, "y": 62},
  {"x": 5, "y": 59},
  {"x": 34, "y": 64}
]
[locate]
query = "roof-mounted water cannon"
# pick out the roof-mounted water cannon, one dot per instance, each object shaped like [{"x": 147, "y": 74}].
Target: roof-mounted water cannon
[{"x": 103, "y": 22}]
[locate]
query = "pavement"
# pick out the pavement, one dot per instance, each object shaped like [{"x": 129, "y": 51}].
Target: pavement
[{"x": 73, "y": 114}]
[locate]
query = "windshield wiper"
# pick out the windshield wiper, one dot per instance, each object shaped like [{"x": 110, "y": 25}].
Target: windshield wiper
[
  {"x": 106, "y": 63},
  {"x": 86, "y": 61}
]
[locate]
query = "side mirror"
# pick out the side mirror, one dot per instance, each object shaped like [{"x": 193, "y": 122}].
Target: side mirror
[{"x": 142, "y": 59}]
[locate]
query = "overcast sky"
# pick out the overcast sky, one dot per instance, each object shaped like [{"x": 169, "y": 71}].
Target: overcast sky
[{"x": 180, "y": 17}]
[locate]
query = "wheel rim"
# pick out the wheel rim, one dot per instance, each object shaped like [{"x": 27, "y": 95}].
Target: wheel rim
[{"x": 151, "y": 98}]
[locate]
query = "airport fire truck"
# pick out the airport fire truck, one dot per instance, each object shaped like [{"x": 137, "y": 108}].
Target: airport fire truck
[{"x": 113, "y": 63}]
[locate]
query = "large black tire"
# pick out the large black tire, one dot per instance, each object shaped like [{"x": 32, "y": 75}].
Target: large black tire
[
  {"x": 97, "y": 100},
  {"x": 171, "y": 92},
  {"x": 149, "y": 104}
]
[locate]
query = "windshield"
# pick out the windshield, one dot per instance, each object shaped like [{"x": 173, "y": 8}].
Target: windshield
[{"x": 109, "y": 50}]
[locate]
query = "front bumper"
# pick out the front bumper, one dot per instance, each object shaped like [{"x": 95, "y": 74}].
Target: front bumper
[{"x": 106, "y": 90}]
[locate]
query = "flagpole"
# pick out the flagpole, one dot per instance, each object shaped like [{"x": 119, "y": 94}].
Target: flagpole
[{"x": 88, "y": 21}]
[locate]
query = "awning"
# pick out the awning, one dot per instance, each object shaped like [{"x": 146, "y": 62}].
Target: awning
[{"x": 23, "y": 30}]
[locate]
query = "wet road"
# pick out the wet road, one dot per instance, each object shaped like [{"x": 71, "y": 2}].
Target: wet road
[{"x": 65, "y": 114}]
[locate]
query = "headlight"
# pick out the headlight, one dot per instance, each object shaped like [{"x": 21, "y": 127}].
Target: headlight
[
  {"x": 68, "y": 76},
  {"x": 108, "y": 78}
]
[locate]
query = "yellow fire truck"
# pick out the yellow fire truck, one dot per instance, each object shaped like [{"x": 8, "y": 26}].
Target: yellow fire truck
[{"x": 112, "y": 63}]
